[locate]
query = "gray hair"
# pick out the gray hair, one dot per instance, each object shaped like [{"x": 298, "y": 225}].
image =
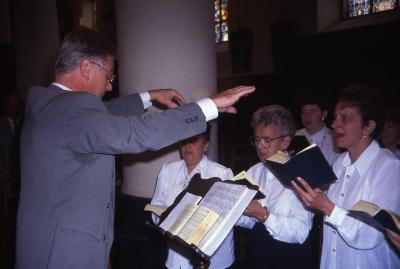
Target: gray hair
[
  {"x": 275, "y": 114},
  {"x": 79, "y": 44}
]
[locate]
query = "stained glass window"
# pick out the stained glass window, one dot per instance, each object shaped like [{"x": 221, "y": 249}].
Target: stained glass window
[
  {"x": 382, "y": 5},
  {"x": 221, "y": 21},
  {"x": 364, "y": 7}
]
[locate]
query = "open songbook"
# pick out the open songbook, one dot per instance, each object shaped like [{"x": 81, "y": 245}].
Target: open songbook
[
  {"x": 310, "y": 164},
  {"x": 205, "y": 219},
  {"x": 374, "y": 216}
]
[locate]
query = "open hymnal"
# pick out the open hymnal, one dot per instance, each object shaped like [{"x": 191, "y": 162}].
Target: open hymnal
[
  {"x": 374, "y": 216},
  {"x": 310, "y": 164},
  {"x": 205, "y": 221}
]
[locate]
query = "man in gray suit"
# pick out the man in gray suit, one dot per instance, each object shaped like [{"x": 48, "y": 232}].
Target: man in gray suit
[{"x": 68, "y": 143}]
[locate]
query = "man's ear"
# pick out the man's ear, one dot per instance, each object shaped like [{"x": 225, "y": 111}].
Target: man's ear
[
  {"x": 369, "y": 127},
  {"x": 85, "y": 68}
]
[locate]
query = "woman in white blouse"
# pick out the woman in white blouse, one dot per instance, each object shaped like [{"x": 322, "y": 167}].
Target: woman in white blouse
[
  {"x": 365, "y": 172},
  {"x": 279, "y": 223},
  {"x": 313, "y": 115},
  {"x": 174, "y": 178}
]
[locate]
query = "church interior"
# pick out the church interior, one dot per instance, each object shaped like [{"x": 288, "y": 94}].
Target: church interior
[{"x": 285, "y": 48}]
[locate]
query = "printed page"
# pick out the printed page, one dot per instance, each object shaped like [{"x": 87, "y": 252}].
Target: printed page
[
  {"x": 365, "y": 206},
  {"x": 181, "y": 220},
  {"x": 174, "y": 215},
  {"x": 220, "y": 230},
  {"x": 222, "y": 197},
  {"x": 279, "y": 157},
  {"x": 198, "y": 225}
]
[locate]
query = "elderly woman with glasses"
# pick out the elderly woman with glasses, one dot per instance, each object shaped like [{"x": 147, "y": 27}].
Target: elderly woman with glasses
[
  {"x": 279, "y": 224},
  {"x": 365, "y": 172}
]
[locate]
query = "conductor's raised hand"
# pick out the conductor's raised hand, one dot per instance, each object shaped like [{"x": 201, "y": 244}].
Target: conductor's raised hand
[
  {"x": 226, "y": 99},
  {"x": 313, "y": 198},
  {"x": 168, "y": 97}
]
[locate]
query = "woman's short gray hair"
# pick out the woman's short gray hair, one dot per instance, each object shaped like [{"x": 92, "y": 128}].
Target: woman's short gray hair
[{"x": 275, "y": 114}]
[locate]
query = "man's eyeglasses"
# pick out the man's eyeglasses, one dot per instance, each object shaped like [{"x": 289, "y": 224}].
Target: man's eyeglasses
[
  {"x": 110, "y": 74},
  {"x": 254, "y": 140}
]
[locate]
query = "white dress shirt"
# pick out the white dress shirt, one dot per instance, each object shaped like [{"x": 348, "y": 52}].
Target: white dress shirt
[
  {"x": 288, "y": 220},
  {"x": 349, "y": 243},
  {"x": 174, "y": 178},
  {"x": 324, "y": 140}
]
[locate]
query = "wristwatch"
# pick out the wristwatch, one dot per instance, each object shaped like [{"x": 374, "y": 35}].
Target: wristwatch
[{"x": 264, "y": 219}]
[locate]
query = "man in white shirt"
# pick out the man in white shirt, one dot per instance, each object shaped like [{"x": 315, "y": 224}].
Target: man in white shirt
[
  {"x": 279, "y": 223},
  {"x": 175, "y": 177}
]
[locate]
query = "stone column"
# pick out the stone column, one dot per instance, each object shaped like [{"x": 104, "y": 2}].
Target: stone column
[{"x": 164, "y": 44}]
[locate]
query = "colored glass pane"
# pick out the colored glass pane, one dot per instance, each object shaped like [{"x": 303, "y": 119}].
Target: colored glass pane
[
  {"x": 358, "y": 7},
  {"x": 383, "y": 5},
  {"x": 221, "y": 20}
]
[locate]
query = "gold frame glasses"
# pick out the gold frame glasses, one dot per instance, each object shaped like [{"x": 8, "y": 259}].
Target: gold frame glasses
[
  {"x": 110, "y": 73},
  {"x": 254, "y": 140}
]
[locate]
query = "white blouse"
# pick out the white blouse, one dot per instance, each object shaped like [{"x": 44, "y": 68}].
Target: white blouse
[
  {"x": 289, "y": 221},
  {"x": 347, "y": 242},
  {"x": 172, "y": 180}
]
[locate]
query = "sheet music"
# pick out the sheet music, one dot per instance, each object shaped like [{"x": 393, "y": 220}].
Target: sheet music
[
  {"x": 198, "y": 225},
  {"x": 187, "y": 199},
  {"x": 222, "y": 197}
]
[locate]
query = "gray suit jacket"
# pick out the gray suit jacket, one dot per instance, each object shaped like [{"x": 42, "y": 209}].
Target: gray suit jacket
[{"x": 68, "y": 142}]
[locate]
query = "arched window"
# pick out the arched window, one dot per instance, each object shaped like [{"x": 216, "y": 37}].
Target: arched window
[
  {"x": 221, "y": 21},
  {"x": 365, "y": 7}
]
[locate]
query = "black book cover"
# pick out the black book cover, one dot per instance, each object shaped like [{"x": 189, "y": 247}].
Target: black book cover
[
  {"x": 310, "y": 164},
  {"x": 298, "y": 143}
]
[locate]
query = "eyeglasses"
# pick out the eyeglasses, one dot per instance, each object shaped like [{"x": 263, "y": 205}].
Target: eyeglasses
[
  {"x": 110, "y": 74},
  {"x": 254, "y": 140}
]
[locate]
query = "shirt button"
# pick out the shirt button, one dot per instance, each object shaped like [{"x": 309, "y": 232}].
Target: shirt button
[
  {"x": 334, "y": 232},
  {"x": 333, "y": 250},
  {"x": 104, "y": 237},
  {"x": 347, "y": 176},
  {"x": 342, "y": 194},
  {"x": 108, "y": 205},
  {"x": 112, "y": 174}
]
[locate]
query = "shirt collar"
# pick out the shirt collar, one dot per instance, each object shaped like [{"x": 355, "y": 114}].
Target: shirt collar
[
  {"x": 200, "y": 168},
  {"x": 319, "y": 135},
  {"x": 65, "y": 88},
  {"x": 363, "y": 163}
]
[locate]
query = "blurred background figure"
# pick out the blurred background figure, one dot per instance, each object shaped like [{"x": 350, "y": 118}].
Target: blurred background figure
[
  {"x": 175, "y": 177},
  {"x": 313, "y": 114},
  {"x": 10, "y": 127},
  {"x": 390, "y": 135}
]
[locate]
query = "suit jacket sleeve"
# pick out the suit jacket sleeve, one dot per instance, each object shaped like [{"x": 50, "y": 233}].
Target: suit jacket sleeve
[
  {"x": 126, "y": 105},
  {"x": 88, "y": 128}
]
